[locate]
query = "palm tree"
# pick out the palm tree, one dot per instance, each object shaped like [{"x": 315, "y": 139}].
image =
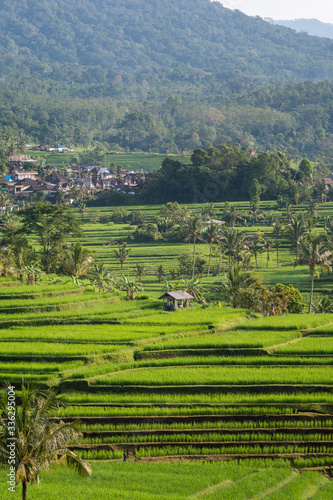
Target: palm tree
[
  {"x": 122, "y": 255},
  {"x": 233, "y": 242},
  {"x": 193, "y": 287},
  {"x": 184, "y": 215},
  {"x": 267, "y": 247},
  {"x": 256, "y": 247},
  {"x": 131, "y": 287},
  {"x": 218, "y": 252},
  {"x": 296, "y": 229},
  {"x": 310, "y": 225},
  {"x": 278, "y": 232},
  {"x": 325, "y": 305},
  {"x": 82, "y": 209},
  {"x": 289, "y": 213},
  {"x": 141, "y": 271},
  {"x": 236, "y": 282},
  {"x": 76, "y": 259},
  {"x": 39, "y": 440},
  {"x": 312, "y": 209},
  {"x": 232, "y": 213},
  {"x": 212, "y": 234},
  {"x": 208, "y": 211},
  {"x": 246, "y": 260},
  {"x": 314, "y": 253},
  {"x": 255, "y": 212},
  {"x": 193, "y": 228},
  {"x": 160, "y": 273},
  {"x": 102, "y": 278}
]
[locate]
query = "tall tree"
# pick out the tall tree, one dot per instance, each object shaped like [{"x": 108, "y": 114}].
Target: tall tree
[
  {"x": 212, "y": 234},
  {"x": 121, "y": 256},
  {"x": 193, "y": 228},
  {"x": 234, "y": 243},
  {"x": 256, "y": 246},
  {"x": 315, "y": 252},
  {"x": 76, "y": 259},
  {"x": 39, "y": 440},
  {"x": 141, "y": 271},
  {"x": 235, "y": 281},
  {"x": 232, "y": 214},
  {"x": 51, "y": 223},
  {"x": 296, "y": 230},
  {"x": 278, "y": 232}
]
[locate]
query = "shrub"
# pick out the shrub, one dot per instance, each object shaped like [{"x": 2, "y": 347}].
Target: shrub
[{"x": 292, "y": 296}]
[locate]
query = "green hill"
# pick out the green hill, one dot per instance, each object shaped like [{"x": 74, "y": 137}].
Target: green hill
[
  {"x": 121, "y": 47},
  {"x": 162, "y": 76}
]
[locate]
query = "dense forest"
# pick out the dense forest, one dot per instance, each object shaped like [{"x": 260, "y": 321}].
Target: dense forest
[
  {"x": 145, "y": 48},
  {"x": 162, "y": 76},
  {"x": 228, "y": 172},
  {"x": 296, "y": 119}
]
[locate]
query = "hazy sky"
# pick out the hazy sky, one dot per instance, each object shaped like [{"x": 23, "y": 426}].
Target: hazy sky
[{"x": 285, "y": 9}]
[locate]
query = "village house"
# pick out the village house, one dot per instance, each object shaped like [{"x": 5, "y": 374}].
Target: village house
[{"x": 25, "y": 187}]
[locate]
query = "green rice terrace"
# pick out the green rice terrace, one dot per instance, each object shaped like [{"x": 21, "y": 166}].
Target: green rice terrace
[{"x": 250, "y": 394}]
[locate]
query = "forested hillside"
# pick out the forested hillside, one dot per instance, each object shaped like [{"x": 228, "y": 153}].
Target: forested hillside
[
  {"x": 295, "y": 119},
  {"x": 162, "y": 76},
  {"x": 147, "y": 47}
]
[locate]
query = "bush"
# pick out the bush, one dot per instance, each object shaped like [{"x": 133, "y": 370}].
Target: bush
[
  {"x": 281, "y": 299},
  {"x": 292, "y": 296},
  {"x": 147, "y": 233}
]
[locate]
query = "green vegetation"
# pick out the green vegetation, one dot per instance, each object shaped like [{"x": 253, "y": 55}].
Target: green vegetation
[
  {"x": 30, "y": 440},
  {"x": 147, "y": 481},
  {"x": 205, "y": 382},
  {"x": 127, "y": 77}
]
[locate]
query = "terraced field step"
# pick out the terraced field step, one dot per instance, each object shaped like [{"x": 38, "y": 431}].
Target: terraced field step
[
  {"x": 229, "y": 456},
  {"x": 57, "y": 321},
  {"x": 247, "y": 352},
  {"x": 199, "y": 389},
  {"x": 175, "y": 353},
  {"x": 171, "y": 419},
  {"x": 202, "y": 444},
  {"x": 309, "y": 406},
  {"x": 222, "y": 431}
]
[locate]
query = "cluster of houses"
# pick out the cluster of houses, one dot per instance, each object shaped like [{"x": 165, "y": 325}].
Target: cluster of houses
[{"x": 21, "y": 182}]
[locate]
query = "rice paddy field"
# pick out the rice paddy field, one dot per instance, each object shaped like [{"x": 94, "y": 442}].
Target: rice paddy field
[
  {"x": 99, "y": 235},
  {"x": 208, "y": 402},
  {"x": 179, "y": 481}
]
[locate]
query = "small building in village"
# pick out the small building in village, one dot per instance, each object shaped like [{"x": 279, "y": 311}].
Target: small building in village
[{"x": 176, "y": 300}]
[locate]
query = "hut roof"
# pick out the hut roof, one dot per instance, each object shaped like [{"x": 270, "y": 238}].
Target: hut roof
[{"x": 178, "y": 295}]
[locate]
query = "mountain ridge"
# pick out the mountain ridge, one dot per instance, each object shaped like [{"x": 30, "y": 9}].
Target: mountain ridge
[
  {"x": 141, "y": 46},
  {"x": 312, "y": 27}
]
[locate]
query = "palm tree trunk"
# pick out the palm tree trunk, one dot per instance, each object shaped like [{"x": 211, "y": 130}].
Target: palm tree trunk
[
  {"x": 210, "y": 256},
  {"x": 24, "y": 490},
  {"x": 121, "y": 270},
  {"x": 193, "y": 269},
  {"x": 312, "y": 286},
  {"x": 277, "y": 256}
]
